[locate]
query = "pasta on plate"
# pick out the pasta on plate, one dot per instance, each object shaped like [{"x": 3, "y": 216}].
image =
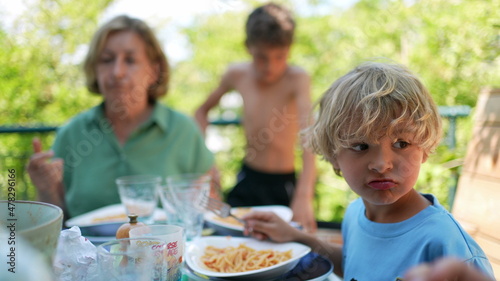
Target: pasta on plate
[
  {"x": 242, "y": 258},
  {"x": 110, "y": 218}
]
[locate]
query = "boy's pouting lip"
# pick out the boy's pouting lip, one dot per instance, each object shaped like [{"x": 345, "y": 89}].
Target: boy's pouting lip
[{"x": 382, "y": 184}]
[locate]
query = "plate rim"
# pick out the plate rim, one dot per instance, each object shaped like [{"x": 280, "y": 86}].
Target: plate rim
[
  {"x": 77, "y": 220},
  {"x": 323, "y": 277},
  {"x": 209, "y": 215},
  {"x": 196, "y": 268}
]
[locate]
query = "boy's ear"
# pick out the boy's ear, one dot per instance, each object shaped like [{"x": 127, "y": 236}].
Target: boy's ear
[
  {"x": 335, "y": 163},
  {"x": 424, "y": 158}
]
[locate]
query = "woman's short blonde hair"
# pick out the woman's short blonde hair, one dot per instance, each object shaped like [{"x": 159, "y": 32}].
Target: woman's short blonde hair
[
  {"x": 374, "y": 100},
  {"x": 153, "y": 51}
]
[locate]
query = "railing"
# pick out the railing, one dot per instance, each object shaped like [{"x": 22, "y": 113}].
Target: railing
[
  {"x": 451, "y": 113},
  {"x": 24, "y": 191}
]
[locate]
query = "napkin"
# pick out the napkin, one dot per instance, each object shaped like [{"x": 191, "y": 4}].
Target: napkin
[{"x": 75, "y": 258}]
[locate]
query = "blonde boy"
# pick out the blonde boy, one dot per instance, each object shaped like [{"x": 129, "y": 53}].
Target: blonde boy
[
  {"x": 276, "y": 105},
  {"x": 376, "y": 126}
]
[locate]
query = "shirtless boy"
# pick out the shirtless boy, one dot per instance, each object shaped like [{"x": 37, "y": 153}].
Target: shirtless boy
[{"x": 276, "y": 106}]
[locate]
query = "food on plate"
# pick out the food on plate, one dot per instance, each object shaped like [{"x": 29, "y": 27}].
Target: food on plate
[
  {"x": 237, "y": 212},
  {"x": 242, "y": 258},
  {"x": 123, "y": 230},
  {"x": 110, "y": 218}
]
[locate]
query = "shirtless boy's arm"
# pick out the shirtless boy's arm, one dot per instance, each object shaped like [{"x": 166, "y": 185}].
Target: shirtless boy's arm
[
  {"x": 301, "y": 204},
  {"x": 201, "y": 114}
]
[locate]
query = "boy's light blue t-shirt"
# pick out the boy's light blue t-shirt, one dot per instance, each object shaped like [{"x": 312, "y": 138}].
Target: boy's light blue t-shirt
[
  {"x": 169, "y": 143},
  {"x": 385, "y": 251}
]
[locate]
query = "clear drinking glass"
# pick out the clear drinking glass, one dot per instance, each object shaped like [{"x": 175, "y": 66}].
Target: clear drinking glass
[
  {"x": 180, "y": 199},
  {"x": 173, "y": 236},
  {"x": 138, "y": 193},
  {"x": 132, "y": 259}
]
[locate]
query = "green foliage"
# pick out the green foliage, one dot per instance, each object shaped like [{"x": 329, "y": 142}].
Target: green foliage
[
  {"x": 453, "y": 59},
  {"x": 39, "y": 83},
  {"x": 216, "y": 42},
  {"x": 333, "y": 195},
  {"x": 47, "y": 87}
]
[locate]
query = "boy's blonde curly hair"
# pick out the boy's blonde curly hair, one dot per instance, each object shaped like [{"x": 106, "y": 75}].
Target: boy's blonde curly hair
[{"x": 374, "y": 100}]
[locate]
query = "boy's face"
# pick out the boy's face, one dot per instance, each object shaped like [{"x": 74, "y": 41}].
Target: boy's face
[
  {"x": 269, "y": 62},
  {"x": 381, "y": 173}
]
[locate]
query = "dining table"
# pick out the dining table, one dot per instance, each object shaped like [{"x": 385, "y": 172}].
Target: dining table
[
  {"x": 311, "y": 267},
  {"x": 322, "y": 270}
]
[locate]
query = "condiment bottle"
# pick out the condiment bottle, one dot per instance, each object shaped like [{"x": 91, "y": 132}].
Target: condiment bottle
[{"x": 123, "y": 230}]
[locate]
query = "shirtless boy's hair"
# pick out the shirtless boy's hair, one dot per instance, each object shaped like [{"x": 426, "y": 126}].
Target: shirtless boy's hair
[
  {"x": 375, "y": 100},
  {"x": 270, "y": 24}
]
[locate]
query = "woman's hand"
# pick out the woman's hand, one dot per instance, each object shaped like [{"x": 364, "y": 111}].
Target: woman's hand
[
  {"x": 46, "y": 174},
  {"x": 263, "y": 225}
]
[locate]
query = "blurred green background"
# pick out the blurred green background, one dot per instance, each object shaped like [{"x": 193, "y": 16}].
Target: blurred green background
[{"x": 453, "y": 46}]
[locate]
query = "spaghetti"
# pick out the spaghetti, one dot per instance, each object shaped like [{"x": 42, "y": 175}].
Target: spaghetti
[
  {"x": 110, "y": 218},
  {"x": 241, "y": 258}
]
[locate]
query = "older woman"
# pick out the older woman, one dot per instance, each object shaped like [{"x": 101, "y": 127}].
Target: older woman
[{"x": 129, "y": 133}]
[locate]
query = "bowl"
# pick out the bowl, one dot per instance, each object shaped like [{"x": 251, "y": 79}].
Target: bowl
[{"x": 38, "y": 223}]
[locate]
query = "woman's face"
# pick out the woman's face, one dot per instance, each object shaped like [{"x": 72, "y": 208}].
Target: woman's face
[{"x": 124, "y": 71}]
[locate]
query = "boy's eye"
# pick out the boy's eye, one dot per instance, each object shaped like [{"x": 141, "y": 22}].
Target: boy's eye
[
  {"x": 359, "y": 147},
  {"x": 401, "y": 144}
]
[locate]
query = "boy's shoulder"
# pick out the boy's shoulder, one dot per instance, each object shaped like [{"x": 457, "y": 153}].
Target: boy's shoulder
[
  {"x": 239, "y": 76},
  {"x": 246, "y": 67},
  {"x": 239, "y": 67},
  {"x": 235, "y": 71},
  {"x": 295, "y": 71}
]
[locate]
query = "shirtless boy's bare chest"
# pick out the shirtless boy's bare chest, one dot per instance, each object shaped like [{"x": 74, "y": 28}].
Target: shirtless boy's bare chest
[
  {"x": 270, "y": 117},
  {"x": 267, "y": 106}
]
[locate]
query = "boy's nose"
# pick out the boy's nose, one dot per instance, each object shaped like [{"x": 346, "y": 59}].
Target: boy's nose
[{"x": 381, "y": 161}]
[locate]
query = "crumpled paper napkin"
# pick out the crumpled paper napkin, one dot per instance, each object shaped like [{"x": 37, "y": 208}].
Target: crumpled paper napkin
[{"x": 75, "y": 258}]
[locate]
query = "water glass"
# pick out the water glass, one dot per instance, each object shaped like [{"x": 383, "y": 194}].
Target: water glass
[
  {"x": 180, "y": 198},
  {"x": 172, "y": 235},
  {"x": 138, "y": 194},
  {"x": 132, "y": 259}
]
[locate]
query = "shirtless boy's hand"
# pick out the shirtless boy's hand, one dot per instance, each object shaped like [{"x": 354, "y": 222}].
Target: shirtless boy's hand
[{"x": 303, "y": 213}]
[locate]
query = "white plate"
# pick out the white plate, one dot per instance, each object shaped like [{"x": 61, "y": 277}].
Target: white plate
[
  {"x": 196, "y": 249},
  {"x": 109, "y": 214},
  {"x": 231, "y": 229}
]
